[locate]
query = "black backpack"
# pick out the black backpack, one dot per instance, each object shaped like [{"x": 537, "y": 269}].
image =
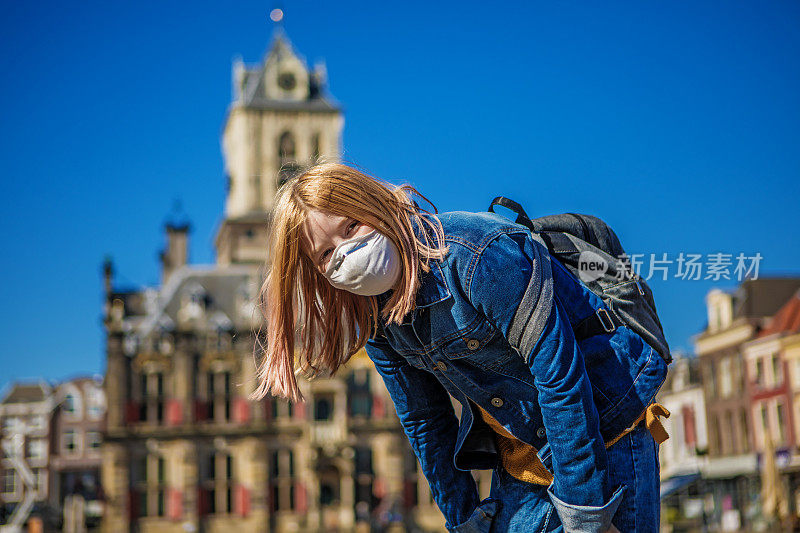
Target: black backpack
[{"x": 591, "y": 251}]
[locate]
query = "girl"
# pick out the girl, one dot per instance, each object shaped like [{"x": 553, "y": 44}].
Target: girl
[{"x": 468, "y": 305}]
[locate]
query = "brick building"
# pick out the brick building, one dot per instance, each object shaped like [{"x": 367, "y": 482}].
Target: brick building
[{"x": 76, "y": 438}]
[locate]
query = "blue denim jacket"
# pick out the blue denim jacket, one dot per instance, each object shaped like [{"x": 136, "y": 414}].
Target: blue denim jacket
[{"x": 464, "y": 339}]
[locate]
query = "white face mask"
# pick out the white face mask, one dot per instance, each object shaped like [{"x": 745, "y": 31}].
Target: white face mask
[{"x": 367, "y": 265}]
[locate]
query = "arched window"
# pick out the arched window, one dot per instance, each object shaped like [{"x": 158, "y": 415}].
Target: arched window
[
  {"x": 287, "y": 163},
  {"x": 286, "y": 149}
]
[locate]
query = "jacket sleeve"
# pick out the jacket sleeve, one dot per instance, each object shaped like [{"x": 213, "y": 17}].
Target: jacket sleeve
[
  {"x": 512, "y": 284},
  {"x": 429, "y": 421}
]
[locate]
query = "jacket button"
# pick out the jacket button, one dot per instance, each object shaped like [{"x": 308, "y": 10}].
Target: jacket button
[
  {"x": 473, "y": 344},
  {"x": 441, "y": 366},
  {"x": 540, "y": 433},
  {"x": 497, "y": 402}
]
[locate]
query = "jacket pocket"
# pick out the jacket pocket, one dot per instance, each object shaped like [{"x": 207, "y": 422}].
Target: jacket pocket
[{"x": 470, "y": 340}]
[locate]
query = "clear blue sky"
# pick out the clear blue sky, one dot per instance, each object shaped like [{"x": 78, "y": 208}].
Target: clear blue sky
[{"x": 677, "y": 122}]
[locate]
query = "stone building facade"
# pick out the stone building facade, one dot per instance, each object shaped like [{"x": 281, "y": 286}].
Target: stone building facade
[
  {"x": 185, "y": 449},
  {"x": 734, "y": 319}
]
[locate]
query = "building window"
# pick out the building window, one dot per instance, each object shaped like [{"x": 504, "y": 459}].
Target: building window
[
  {"x": 281, "y": 408},
  {"x": 359, "y": 395},
  {"x": 711, "y": 385},
  {"x": 287, "y": 164},
  {"x": 37, "y": 448},
  {"x": 323, "y": 407},
  {"x": 725, "y": 378},
  {"x": 282, "y": 480},
  {"x": 764, "y": 420},
  {"x": 10, "y": 481},
  {"x": 743, "y": 430},
  {"x": 150, "y": 480},
  {"x": 10, "y": 425},
  {"x": 93, "y": 440},
  {"x": 70, "y": 442},
  {"x": 70, "y": 404},
  {"x": 219, "y": 482},
  {"x": 220, "y": 395},
  {"x": 152, "y": 392},
  {"x": 759, "y": 374},
  {"x": 96, "y": 405},
  {"x": 777, "y": 370},
  {"x": 781, "y": 418},
  {"x": 326, "y": 494},
  {"x": 40, "y": 480}
]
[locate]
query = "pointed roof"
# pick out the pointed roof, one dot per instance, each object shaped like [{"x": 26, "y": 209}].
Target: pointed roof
[
  {"x": 786, "y": 319},
  {"x": 253, "y": 94}
]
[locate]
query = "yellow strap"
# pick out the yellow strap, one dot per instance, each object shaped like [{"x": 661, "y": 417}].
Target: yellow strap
[
  {"x": 653, "y": 411},
  {"x": 650, "y": 416},
  {"x": 521, "y": 460}
]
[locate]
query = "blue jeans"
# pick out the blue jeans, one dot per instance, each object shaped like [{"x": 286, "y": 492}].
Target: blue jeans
[{"x": 525, "y": 507}]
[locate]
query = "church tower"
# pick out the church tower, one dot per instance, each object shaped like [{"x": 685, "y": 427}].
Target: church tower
[{"x": 281, "y": 120}]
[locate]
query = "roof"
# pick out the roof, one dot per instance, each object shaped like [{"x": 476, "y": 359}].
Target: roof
[
  {"x": 786, "y": 319},
  {"x": 759, "y": 298},
  {"x": 224, "y": 297},
  {"x": 27, "y": 393}
]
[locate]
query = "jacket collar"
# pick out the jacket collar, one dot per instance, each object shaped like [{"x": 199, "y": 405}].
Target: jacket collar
[{"x": 433, "y": 287}]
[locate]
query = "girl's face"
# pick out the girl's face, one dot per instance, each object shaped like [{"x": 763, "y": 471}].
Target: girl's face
[{"x": 325, "y": 231}]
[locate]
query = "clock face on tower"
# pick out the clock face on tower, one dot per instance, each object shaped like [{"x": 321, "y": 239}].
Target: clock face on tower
[{"x": 286, "y": 81}]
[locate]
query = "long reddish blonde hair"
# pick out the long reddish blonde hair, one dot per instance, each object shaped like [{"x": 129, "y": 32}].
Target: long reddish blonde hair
[{"x": 297, "y": 301}]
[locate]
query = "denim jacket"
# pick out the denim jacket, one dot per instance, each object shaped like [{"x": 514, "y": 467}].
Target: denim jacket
[{"x": 466, "y": 339}]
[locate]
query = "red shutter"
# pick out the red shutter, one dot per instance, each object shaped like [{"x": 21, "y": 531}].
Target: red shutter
[
  {"x": 689, "y": 428},
  {"x": 174, "y": 412},
  {"x": 175, "y": 504},
  {"x": 379, "y": 487},
  {"x": 242, "y": 500},
  {"x": 266, "y": 404},
  {"x": 300, "y": 410},
  {"x": 133, "y": 505},
  {"x": 200, "y": 410},
  {"x": 241, "y": 411},
  {"x": 203, "y": 501},
  {"x": 131, "y": 412},
  {"x": 300, "y": 497},
  {"x": 378, "y": 406}
]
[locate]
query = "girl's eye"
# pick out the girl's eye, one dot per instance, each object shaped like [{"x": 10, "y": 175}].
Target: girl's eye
[
  {"x": 324, "y": 256},
  {"x": 351, "y": 226}
]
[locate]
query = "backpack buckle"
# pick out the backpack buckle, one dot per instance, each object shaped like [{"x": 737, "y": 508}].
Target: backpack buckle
[{"x": 610, "y": 327}]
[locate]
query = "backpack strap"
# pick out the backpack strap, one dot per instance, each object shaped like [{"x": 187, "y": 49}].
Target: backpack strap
[
  {"x": 522, "y": 216},
  {"x": 601, "y": 321}
]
